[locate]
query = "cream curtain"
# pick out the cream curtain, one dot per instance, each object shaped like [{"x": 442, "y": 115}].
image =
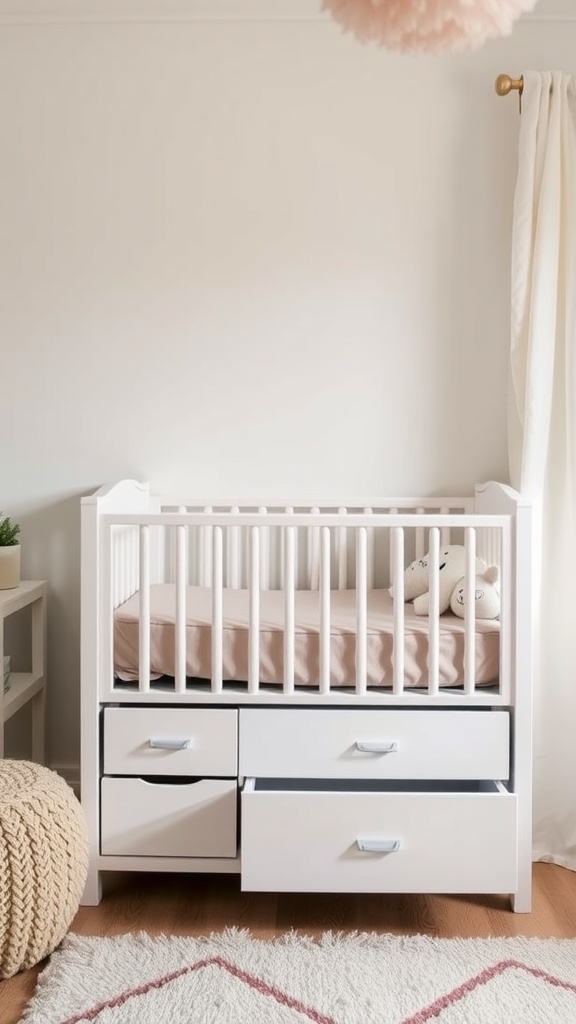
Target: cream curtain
[{"x": 542, "y": 434}]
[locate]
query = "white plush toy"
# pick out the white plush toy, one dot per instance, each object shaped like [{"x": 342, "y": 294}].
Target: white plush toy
[
  {"x": 486, "y": 595},
  {"x": 452, "y": 569}
]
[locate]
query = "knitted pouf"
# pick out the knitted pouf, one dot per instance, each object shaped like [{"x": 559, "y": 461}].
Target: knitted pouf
[{"x": 43, "y": 862}]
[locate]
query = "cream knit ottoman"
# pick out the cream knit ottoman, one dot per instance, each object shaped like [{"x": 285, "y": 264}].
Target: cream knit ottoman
[{"x": 43, "y": 862}]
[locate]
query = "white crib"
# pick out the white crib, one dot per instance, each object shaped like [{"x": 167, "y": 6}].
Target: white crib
[{"x": 255, "y": 701}]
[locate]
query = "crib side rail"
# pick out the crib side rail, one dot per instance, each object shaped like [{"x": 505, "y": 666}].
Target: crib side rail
[{"x": 261, "y": 549}]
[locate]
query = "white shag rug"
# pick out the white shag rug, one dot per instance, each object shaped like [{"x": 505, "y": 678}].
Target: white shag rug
[{"x": 231, "y": 978}]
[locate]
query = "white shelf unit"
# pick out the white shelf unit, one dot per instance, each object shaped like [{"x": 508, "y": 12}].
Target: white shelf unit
[{"x": 26, "y": 687}]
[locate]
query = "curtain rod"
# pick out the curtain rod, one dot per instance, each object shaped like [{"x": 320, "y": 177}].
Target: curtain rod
[{"x": 505, "y": 84}]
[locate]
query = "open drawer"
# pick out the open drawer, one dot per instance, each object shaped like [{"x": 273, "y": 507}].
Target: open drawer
[{"x": 313, "y": 835}]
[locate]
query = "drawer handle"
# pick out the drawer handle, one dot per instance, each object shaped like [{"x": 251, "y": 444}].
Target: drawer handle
[
  {"x": 170, "y": 742},
  {"x": 378, "y": 845},
  {"x": 377, "y": 747}
]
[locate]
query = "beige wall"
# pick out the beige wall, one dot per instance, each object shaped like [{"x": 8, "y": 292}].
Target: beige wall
[{"x": 244, "y": 255}]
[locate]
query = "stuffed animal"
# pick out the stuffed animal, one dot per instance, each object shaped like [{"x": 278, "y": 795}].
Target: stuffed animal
[
  {"x": 486, "y": 595},
  {"x": 452, "y": 569}
]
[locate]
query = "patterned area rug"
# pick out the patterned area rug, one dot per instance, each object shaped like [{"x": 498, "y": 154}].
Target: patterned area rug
[{"x": 231, "y": 978}]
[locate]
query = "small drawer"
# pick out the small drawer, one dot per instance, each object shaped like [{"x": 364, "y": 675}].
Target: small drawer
[
  {"x": 443, "y": 744},
  {"x": 170, "y": 741},
  {"x": 310, "y": 836},
  {"x": 148, "y": 819}
]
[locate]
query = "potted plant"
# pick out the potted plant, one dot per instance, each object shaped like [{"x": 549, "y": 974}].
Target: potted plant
[{"x": 9, "y": 553}]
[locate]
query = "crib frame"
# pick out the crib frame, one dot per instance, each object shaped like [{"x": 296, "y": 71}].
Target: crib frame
[{"x": 131, "y": 539}]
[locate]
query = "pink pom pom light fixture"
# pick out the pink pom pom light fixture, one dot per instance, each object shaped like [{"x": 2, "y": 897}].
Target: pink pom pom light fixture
[{"x": 427, "y": 25}]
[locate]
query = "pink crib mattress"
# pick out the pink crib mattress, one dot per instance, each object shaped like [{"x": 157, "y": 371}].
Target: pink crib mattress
[{"x": 306, "y": 640}]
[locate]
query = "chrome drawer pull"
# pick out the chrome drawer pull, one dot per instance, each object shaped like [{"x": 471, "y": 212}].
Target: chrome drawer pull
[
  {"x": 377, "y": 747},
  {"x": 170, "y": 742},
  {"x": 378, "y": 845}
]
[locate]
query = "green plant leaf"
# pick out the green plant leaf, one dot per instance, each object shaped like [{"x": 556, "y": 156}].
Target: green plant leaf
[{"x": 9, "y": 532}]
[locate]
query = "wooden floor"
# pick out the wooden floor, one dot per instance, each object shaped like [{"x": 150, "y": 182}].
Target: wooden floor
[{"x": 199, "y": 904}]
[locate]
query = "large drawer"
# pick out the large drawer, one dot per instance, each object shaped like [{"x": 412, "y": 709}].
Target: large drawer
[
  {"x": 171, "y": 741},
  {"x": 443, "y": 744},
  {"x": 444, "y": 837},
  {"x": 145, "y": 819}
]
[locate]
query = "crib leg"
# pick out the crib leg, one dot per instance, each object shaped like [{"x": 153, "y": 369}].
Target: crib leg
[
  {"x": 521, "y": 904},
  {"x": 522, "y": 900},
  {"x": 93, "y": 889}
]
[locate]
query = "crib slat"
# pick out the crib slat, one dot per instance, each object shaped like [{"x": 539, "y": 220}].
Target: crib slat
[
  {"x": 107, "y": 624},
  {"x": 361, "y": 610},
  {"x": 325, "y": 609},
  {"x": 342, "y": 548},
  {"x": 420, "y": 543},
  {"x": 122, "y": 568},
  {"x": 434, "y": 611},
  {"x": 144, "y": 626},
  {"x": 254, "y": 613},
  {"x": 370, "y": 551},
  {"x": 470, "y": 611},
  {"x": 206, "y": 551},
  {"x": 489, "y": 545},
  {"x": 180, "y": 624},
  {"x": 196, "y": 555},
  {"x": 129, "y": 564},
  {"x": 264, "y": 553},
  {"x": 117, "y": 573},
  {"x": 503, "y": 545},
  {"x": 124, "y": 541},
  {"x": 217, "y": 610},
  {"x": 289, "y": 539},
  {"x": 289, "y": 512},
  {"x": 132, "y": 579},
  {"x": 445, "y": 534},
  {"x": 392, "y": 569},
  {"x": 398, "y": 641},
  {"x": 313, "y": 554},
  {"x": 233, "y": 539}
]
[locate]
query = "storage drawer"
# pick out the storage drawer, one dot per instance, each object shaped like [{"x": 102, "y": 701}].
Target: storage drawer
[
  {"x": 170, "y": 741},
  {"x": 421, "y": 837},
  {"x": 147, "y": 819},
  {"x": 295, "y": 743}
]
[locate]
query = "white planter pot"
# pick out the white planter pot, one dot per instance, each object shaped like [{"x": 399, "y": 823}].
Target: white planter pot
[{"x": 10, "y": 567}]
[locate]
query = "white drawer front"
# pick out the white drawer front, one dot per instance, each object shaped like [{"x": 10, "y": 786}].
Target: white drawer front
[
  {"x": 398, "y": 744},
  {"x": 170, "y": 741},
  {"x": 301, "y": 841},
  {"x": 143, "y": 819}
]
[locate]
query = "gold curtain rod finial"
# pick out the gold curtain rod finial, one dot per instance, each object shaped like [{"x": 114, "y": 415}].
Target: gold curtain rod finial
[{"x": 505, "y": 85}]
